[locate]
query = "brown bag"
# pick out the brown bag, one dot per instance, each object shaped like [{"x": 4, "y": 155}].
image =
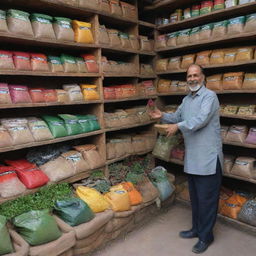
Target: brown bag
[
  {"x": 93, "y": 4},
  {"x": 217, "y": 57},
  {"x": 203, "y": 58},
  {"x": 103, "y": 35},
  {"x": 134, "y": 42},
  {"x": 105, "y": 6},
  {"x": 228, "y": 163},
  {"x": 145, "y": 44},
  {"x": 187, "y": 60},
  {"x": 230, "y": 55},
  {"x": 163, "y": 86},
  {"x": 160, "y": 41},
  {"x": 115, "y": 7},
  {"x": 244, "y": 167},
  {"x": 114, "y": 38},
  {"x": 249, "y": 81},
  {"x": 161, "y": 65},
  {"x": 237, "y": 133},
  {"x": 214, "y": 82},
  {"x": 244, "y": 53},
  {"x": 174, "y": 63},
  {"x": 233, "y": 81},
  {"x": 129, "y": 10}
]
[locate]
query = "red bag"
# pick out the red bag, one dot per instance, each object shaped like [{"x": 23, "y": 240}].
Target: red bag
[
  {"x": 28, "y": 173},
  {"x": 118, "y": 91},
  {"x": 91, "y": 63},
  {"x": 149, "y": 87},
  {"x": 109, "y": 93},
  {"x": 178, "y": 153},
  {"x": 22, "y": 60},
  {"x": 19, "y": 94},
  {"x": 129, "y": 90},
  {"x": 37, "y": 95},
  {"x": 50, "y": 95},
  {"x": 39, "y": 62}
]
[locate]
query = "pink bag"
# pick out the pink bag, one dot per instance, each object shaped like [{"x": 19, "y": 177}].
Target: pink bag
[
  {"x": 19, "y": 94},
  {"x": 251, "y": 137}
]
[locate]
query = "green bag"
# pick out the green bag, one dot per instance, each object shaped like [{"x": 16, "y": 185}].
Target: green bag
[
  {"x": 88, "y": 122},
  {"x": 42, "y": 18},
  {"x": 67, "y": 59},
  {"x": 71, "y": 123},
  {"x": 63, "y": 22},
  {"x": 17, "y": 14},
  {"x": 37, "y": 227},
  {"x": 73, "y": 211},
  {"x": 54, "y": 60},
  {"x": 56, "y": 125},
  {"x": 5, "y": 240}
]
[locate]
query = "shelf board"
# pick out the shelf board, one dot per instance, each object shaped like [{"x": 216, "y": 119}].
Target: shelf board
[
  {"x": 125, "y": 156},
  {"x": 147, "y": 53},
  {"x": 32, "y": 105},
  {"x": 239, "y": 117},
  {"x": 217, "y": 92},
  {"x": 147, "y": 76},
  {"x": 108, "y": 48},
  {"x": 130, "y": 99},
  {"x": 46, "y": 142},
  {"x": 238, "y": 10},
  {"x": 55, "y": 8},
  {"x": 204, "y": 43},
  {"x": 120, "y": 75},
  {"x": 244, "y": 145},
  {"x": 128, "y": 127},
  {"x": 76, "y": 177},
  {"x": 235, "y": 64},
  {"x": 172, "y": 93},
  {"x": 146, "y": 24}
]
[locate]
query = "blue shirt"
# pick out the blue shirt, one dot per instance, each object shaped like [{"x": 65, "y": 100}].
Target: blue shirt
[{"x": 198, "y": 119}]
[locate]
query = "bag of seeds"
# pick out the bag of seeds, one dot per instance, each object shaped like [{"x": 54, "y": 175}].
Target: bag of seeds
[
  {"x": 69, "y": 63},
  {"x": 6, "y": 61},
  {"x": 19, "y": 23},
  {"x": 22, "y": 60},
  {"x": 42, "y": 26},
  {"x": 83, "y": 33},
  {"x": 39, "y": 62},
  {"x": 3, "y": 23},
  {"x": 56, "y": 126},
  {"x": 55, "y": 64},
  {"x": 63, "y": 29}
]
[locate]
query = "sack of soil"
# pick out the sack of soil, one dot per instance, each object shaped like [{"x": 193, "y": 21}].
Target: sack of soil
[
  {"x": 5, "y": 242},
  {"x": 19, "y": 23},
  {"x": 42, "y": 26},
  {"x": 37, "y": 227},
  {"x": 73, "y": 211}
]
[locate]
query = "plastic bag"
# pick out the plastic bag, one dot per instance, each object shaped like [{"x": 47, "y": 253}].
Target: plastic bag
[
  {"x": 5, "y": 242},
  {"x": 134, "y": 194},
  {"x": 6, "y": 61},
  {"x": 91, "y": 63},
  {"x": 56, "y": 126},
  {"x": 74, "y": 92},
  {"x": 28, "y": 173},
  {"x": 5, "y": 97},
  {"x": 248, "y": 212},
  {"x": 69, "y": 63},
  {"x": 83, "y": 33},
  {"x": 71, "y": 124},
  {"x": 19, "y": 94},
  {"x": 118, "y": 198},
  {"x": 88, "y": 122},
  {"x": 8, "y": 181},
  {"x": 63, "y": 29},
  {"x": 73, "y": 211},
  {"x": 22, "y": 60},
  {"x": 37, "y": 227},
  {"x": 93, "y": 198},
  {"x": 90, "y": 92}
]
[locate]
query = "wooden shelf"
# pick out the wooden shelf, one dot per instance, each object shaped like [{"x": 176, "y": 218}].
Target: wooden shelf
[
  {"x": 205, "y": 43},
  {"x": 235, "y": 64},
  {"x": 147, "y": 53},
  {"x": 54, "y": 8},
  {"x": 130, "y": 99},
  {"x": 107, "y": 48},
  {"x": 120, "y": 75},
  {"x": 146, "y": 24},
  {"x": 172, "y": 93},
  {"x": 244, "y": 145},
  {"x": 32, "y": 105},
  {"x": 46, "y": 142},
  {"x": 147, "y": 76},
  {"x": 128, "y": 127},
  {"x": 170, "y": 4},
  {"x": 239, "y": 117},
  {"x": 217, "y": 92},
  {"x": 238, "y": 10},
  {"x": 125, "y": 156},
  {"x": 76, "y": 177}
]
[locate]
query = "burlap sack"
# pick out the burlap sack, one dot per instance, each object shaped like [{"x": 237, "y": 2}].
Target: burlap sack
[{"x": 244, "y": 167}]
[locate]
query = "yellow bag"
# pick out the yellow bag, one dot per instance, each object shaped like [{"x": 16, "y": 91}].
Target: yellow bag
[
  {"x": 90, "y": 92},
  {"x": 118, "y": 198},
  {"x": 83, "y": 33},
  {"x": 93, "y": 198}
]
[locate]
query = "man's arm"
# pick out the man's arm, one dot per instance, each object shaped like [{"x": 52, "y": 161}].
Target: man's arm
[{"x": 172, "y": 118}]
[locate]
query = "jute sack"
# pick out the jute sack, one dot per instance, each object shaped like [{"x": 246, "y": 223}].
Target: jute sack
[
  {"x": 111, "y": 150},
  {"x": 21, "y": 247},
  {"x": 67, "y": 253},
  {"x": 89, "y": 228},
  {"x": 117, "y": 223},
  {"x": 145, "y": 213}
]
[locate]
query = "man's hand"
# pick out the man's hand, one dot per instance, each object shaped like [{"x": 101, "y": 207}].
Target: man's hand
[
  {"x": 172, "y": 129},
  {"x": 155, "y": 114}
]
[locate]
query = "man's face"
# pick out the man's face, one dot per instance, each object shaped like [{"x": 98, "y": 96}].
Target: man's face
[{"x": 194, "y": 76}]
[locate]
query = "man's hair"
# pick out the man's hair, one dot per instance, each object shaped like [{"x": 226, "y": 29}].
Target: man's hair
[{"x": 201, "y": 69}]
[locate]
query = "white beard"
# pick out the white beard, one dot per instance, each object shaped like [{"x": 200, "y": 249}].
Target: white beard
[{"x": 194, "y": 88}]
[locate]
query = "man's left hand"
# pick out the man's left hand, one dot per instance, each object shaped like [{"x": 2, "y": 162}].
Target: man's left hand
[{"x": 172, "y": 129}]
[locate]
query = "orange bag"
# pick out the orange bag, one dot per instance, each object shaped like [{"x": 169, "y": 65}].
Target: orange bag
[
  {"x": 91, "y": 63},
  {"x": 134, "y": 194},
  {"x": 37, "y": 95},
  {"x": 50, "y": 95}
]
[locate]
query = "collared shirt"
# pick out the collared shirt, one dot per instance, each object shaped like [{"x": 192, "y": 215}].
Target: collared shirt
[{"x": 198, "y": 119}]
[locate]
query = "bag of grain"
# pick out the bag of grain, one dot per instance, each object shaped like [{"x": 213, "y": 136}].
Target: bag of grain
[
  {"x": 103, "y": 35},
  {"x": 230, "y": 55},
  {"x": 203, "y": 58},
  {"x": 5, "y": 138},
  {"x": 205, "y": 32},
  {"x": 236, "y": 25},
  {"x": 219, "y": 29},
  {"x": 5, "y": 97},
  {"x": 63, "y": 29},
  {"x": 217, "y": 57},
  {"x": 250, "y": 23},
  {"x": 56, "y": 126},
  {"x": 62, "y": 96},
  {"x": 194, "y": 35},
  {"x": 249, "y": 81},
  {"x": 187, "y": 60},
  {"x": 244, "y": 167},
  {"x": 6, "y": 61},
  {"x": 134, "y": 42},
  {"x": 115, "y": 7},
  {"x": 39, "y": 62},
  {"x": 3, "y": 23},
  {"x": 19, "y": 94},
  {"x": 228, "y": 163},
  {"x": 128, "y": 10},
  {"x": 145, "y": 44},
  {"x": 160, "y": 41},
  {"x": 161, "y": 65},
  {"x": 90, "y": 92},
  {"x": 174, "y": 63},
  {"x": 233, "y": 81},
  {"x": 237, "y": 133},
  {"x": 83, "y": 33},
  {"x": 125, "y": 41},
  {"x": 81, "y": 65},
  {"x": 69, "y": 63},
  {"x": 55, "y": 63},
  {"x": 214, "y": 82},
  {"x": 244, "y": 53},
  {"x": 183, "y": 37},
  {"x": 163, "y": 86},
  {"x": 171, "y": 39},
  {"x": 42, "y": 25},
  {"x": 19, "y": 23},
  {"x": 22, "y": 60},
  {"x": 91, "y": 63},
  {"x": 114, "y": 38}
]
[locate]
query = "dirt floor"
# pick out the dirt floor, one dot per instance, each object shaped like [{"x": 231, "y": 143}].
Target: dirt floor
[{"x": 160, "y": 238}]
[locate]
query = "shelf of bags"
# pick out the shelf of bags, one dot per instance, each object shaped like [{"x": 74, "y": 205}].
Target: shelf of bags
[
  {"x": 130, "y": 99},
  {"x": 120, "y": 75},
  {"x": 217, "y": 92},
  {"x": 147, "y": 53},
  {"x": 238, "y": 10},
  {"x": 235, "y": 64},
  {"x": 13, "y": 38},
  {"x": 128, "y": 126},
  {"x": 125, "y": 156},
  {"x": 239, "y": 178},
  {"x": 32, "y": 105},
  {"x": 239, "y": 144},
  {"x": 46, "y": 142},
  {"x": 147, "y": 76},
  {"x": 239, "y": 117},
  {"x": 146, "y": 24},
  {"x": 235, "y": 223},
  {"x": 62, "y": 8},
  {"x": 108, "y": 48},
  {"x": 46, "y": 73},
  {"x": 240, "y": 37},
  {"x": 172, "y": 93}
]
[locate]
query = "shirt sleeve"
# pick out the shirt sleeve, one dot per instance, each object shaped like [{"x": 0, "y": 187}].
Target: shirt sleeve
[
  {"x": 207, "y": 110},
  {"x": 172, "y": 118}
]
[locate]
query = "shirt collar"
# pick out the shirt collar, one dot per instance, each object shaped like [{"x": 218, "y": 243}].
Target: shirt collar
[{"x": 199, "y": 92}]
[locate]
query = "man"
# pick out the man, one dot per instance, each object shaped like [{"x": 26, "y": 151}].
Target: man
[{"x": 198, "y": 119}]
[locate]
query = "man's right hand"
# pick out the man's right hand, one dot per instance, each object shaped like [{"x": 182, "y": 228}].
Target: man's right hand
[{"x": 155, "y": 114}]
